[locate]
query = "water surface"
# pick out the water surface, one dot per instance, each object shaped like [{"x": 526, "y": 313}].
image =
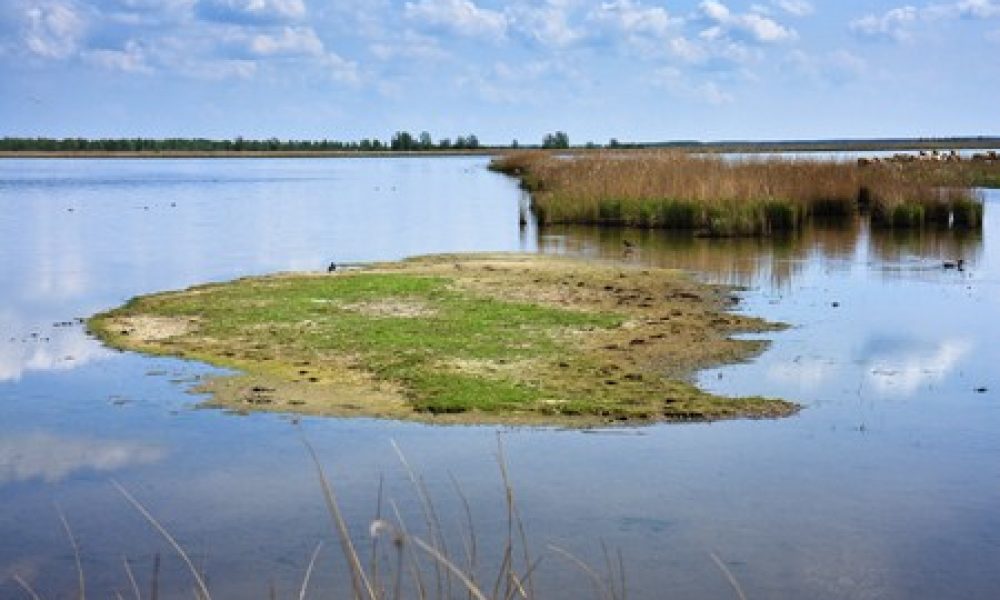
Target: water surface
[{"x": 885, "y": 486}]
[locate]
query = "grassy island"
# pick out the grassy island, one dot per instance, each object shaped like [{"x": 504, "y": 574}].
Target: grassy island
[
  {"x": 457, "y": 339},
  {"x": 714, "y": 196}
]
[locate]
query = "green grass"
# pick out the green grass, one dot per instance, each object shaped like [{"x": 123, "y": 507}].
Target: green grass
[{"x": 408, "y": 350}]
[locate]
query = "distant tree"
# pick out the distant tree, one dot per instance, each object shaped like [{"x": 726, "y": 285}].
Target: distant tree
[
  {"x": 591, "y": 145},
  {"x": 403, "y": 140},
  {"x": 460, "y": 143},
  {"x": 472, "y": 142},
  {"x": 444, "y": 144},
  {"x": 426, "y": 143},
  {"x": 515, "y": 145},
  {"x": 613, "y": 143},
  {"x": 558, "y": 140}
]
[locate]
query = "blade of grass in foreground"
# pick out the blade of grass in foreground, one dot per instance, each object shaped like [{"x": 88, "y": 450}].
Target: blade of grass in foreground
[
  {"x": 358, "y": 579},
  {"x": 200, "y": 583}
]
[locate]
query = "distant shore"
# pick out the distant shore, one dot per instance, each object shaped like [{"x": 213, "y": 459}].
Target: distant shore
[
  {"x": 31, "y": 148},
  {"x": 242, "y": 153}
]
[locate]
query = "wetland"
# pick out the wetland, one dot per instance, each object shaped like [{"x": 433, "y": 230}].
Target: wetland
[{"x": 884, "y": 484}]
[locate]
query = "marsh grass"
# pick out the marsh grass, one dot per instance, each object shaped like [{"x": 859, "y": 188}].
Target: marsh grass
[{"x": 713, "y": 196}]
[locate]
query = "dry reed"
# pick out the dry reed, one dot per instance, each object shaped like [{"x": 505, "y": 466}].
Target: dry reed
[{"x": 714, "y": 196}]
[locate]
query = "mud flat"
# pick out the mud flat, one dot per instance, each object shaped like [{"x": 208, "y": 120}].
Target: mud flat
[{"x": 499, "y": 338}]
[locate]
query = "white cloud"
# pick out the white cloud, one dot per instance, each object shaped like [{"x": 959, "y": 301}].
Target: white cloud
[
  {"x": 547, "y": 24},
  {"x": 411, "y": 45},
  {"x": 837, "y": 67},
  {"x": 251, "y": 11},
  {"x": 341, "y": 69},
  {"x": 53, "y": 29},
  {"x": 798, "y": 8},
  {"x": 462, "y": 17},
  {"x": 965, "y": 9},
  {"x": 752, "y": 25},
  {"x": 130, "y": 59},
  {"x": 678, "y": 84},
  {"x": 290, "y": 41},
  {"x": 893, "y": 24},
  {"x": 632, "y": 18},
  {"x": 898, "y": 23}
]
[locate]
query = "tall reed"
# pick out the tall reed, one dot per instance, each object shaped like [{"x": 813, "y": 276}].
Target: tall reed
[{"x": 714, "y": 196}]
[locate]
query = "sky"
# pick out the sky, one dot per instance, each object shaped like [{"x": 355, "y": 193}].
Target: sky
[{"x": 635, "y": 70}]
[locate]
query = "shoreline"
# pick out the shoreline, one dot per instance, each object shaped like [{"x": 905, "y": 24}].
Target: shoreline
[{"x": 138, "y": 154}]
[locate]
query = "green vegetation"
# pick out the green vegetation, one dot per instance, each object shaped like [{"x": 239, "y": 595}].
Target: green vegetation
[
  {"x": 401, "y": 141},
  {"x": 501, "y": 338},
  {"x": 558, "y": 140},
  {"x": 405, "y": 141},
  {"x": 712, "y": 196}
]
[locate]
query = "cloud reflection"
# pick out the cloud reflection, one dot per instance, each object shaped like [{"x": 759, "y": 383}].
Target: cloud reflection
[
  {"x": 52, "y": 458},
  {"x": 56, "y": 350},
  {"x": 904, "y": 366}
]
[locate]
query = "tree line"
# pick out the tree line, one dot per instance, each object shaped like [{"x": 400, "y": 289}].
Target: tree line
[{"x": 401, "y": 141}]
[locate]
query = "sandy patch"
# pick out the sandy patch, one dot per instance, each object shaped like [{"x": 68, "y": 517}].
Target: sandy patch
[{"x": 151, "y": 329}]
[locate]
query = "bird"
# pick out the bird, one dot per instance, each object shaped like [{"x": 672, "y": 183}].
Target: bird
[
  {"x": 629, "y": 248},
  {"x": 332, "y": 267}
]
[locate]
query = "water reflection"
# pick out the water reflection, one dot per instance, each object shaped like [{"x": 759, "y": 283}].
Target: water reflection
[
  {"x": 52, "y": 458},
  {"x": 29, "y": 346},
  {"x": 903, "y": 365},
  {"x": 772, "y": 263}
]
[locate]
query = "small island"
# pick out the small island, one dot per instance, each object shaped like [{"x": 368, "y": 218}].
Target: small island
[{"x": 480, "y": 338}]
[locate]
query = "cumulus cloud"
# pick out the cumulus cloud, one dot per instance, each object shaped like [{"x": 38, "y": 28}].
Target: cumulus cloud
[
  {"x": 251, "y": 11},
  {"x": 410, "y": 46},
  {"x": 678, "y": 84},
  {"x": 798, "y": 8},
  {"x": 898, "y": 24},
  {"x": 837, "y": 67},
  {"x": 130, "y": 59},
  {"x": 632, "y": 18},
  {"x": 289, "y": 41},
  {"x": 547, "y": 24},
  {"x": 893, "y": 24},
  {"x": 340, "y": 69},
  {"x": 462, "y": 17},
  {"x": 752, "y": 26},
  {"x": 53, "y": 29}
]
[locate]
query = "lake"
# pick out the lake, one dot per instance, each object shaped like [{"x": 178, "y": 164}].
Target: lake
[{"x": 884, "y": 486}]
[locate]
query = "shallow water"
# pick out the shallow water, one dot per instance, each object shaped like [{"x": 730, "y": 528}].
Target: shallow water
[{"x": 884, "y": 486}]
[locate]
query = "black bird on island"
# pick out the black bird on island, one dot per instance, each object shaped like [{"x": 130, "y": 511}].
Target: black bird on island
[{"x": 957, "y": 264}]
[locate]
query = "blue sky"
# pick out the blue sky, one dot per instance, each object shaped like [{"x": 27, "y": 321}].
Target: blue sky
[{"x": 631, "y": 69}]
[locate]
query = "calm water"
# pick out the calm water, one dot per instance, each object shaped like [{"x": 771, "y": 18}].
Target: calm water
[{"x": 886, "y": 485}]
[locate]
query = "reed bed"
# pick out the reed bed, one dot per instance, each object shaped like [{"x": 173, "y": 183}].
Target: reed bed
[{"x": 714, "y": 196}]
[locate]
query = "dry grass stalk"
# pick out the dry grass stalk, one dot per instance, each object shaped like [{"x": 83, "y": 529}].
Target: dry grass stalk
[
  {"x": 729, "y": 576},
  {"x": 305, "y": 579},
  {"x": 133, "y": 583},
  {"x": 201, "y": 588},
  {"x": 81, "y": 583}
]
